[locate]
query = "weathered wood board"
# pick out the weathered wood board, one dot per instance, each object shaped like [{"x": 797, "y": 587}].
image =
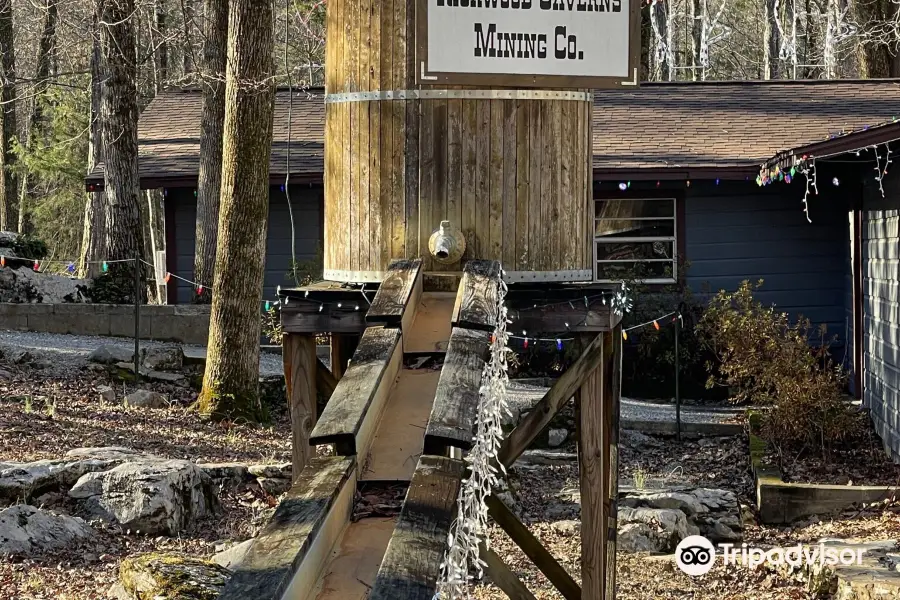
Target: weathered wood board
[
  {"x": 477, "y": 299},
  {"x": 452, "y": 420},
  {"x": 431, "y": 330},
  {"x": 411, "y": 565},
  {"x": 399, "y": 440},
  {"x": 299, "y": 537},
  {"x": 398, "y": 295},
  {"x": 351, "y": 571},
  {"x": 354, "y": 410},
  {"x": 304, "y": 316},
  {"x": 300, "y": 376}
]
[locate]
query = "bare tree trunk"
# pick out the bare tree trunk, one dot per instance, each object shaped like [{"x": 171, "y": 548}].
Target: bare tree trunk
[
  {"x": 187, "y": 11},
  {"x": 210, "y": 177},
  {"x": 230, "y": 383},
  {"x": 662, "y": 68},
  {"x": 8, "y": 98},
  {"x": 161, "y": 54},
  {"x": 45, "y": 59},
  {"x": 696, "y": 38},
  {"x": 773, "y": 41},
  {"x": 118, "y": 116},
  {"x": 94, "y": 233},
  {"x": 876, "y": 58}
]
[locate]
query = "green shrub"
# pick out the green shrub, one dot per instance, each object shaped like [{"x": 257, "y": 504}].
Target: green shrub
[{"x": 764, "y": 358}]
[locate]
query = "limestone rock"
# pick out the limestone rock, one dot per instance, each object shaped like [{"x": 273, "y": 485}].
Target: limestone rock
[
  {"x": 22, "y": 481},
  {"x": 567, "y": 528},
  {"x": 274, "y": 486},
  {"x": 714, "y": 513},
  {"x": 107, "y": 394},
  {"x": 282, "y": 470},
  {"x": 18, "y": 356},
  {"x": 635, "y": 440},
  {"x": 233, "y": 556},
  {"x": 651, "y": 529},
  {"x": 27, "y": 530},
  {"x": 110, "y": 355},
  {"x": 146, "y": 399},
  {"x": 24, "y": 285},
  {"x": 150, "y": 495},
  {"x": 164, "y": 358},
  {"x": 557, "y": 437},
  {"x": 172, "y": 576},
  {"x": 226, "y": 474}
]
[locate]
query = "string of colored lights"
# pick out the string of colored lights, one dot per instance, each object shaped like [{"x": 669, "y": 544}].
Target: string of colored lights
[{"x": 526, "y": 339}]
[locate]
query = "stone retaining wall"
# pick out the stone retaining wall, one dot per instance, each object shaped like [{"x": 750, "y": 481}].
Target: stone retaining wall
[{"x": 179, "y": 323}]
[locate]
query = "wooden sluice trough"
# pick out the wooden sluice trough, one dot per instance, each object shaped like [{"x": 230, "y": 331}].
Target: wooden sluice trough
[{"x": 401, "y": 415}]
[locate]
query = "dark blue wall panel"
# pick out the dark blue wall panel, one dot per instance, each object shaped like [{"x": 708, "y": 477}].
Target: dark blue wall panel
[
  {"x": 739, "y": 231},
  {"x": 306, "y": 203}
]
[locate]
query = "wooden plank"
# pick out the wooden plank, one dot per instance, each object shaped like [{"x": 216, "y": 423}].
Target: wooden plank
[
  {"x": 468, "y": 198},
  {"x": 376, "y": 239},
  {"x": 523, "y": 164},
  {"x": 352, "y": 9},
  {"x": 476, "y": 300},
  {"x": 300, "y": 535},
  {"x": 398, "y": 295},
  {"x": 547, "y": 198},
  {"x": 426, "y": 176},
  {"x": 454, "y": 165},
  {"x": 305, "y": 317},
  {"x": 412, "y": 563},
  {"x": 508, "y": 255},
  {"x": 299, "y": 357},
  {"x": 568, "y": 228},
  {"x": 495, "y": 248},
  {"x": 452, "y": 421},
  {"x": 533, "y": 549},
  {"x": 353, "y": 567},
  {"x": 612, "y": 394},
  {"x": 355, "y": 407},
  {"x": 535, "y": 224},
  {"x": 562, "y": 391},
  {"x": 554, "y": 258},
  {"x": 441, "y": 173},
  {"x": 365, "y": 151},
  {"x": 338, "y": 361},
  {"x": 503, "y": 576},
  {"x": 593, "y": 484},
  {"x": 483, "y": 179}
]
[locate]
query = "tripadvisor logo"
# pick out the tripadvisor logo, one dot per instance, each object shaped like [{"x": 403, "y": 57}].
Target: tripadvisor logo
[{"x": 696, "y": 555}]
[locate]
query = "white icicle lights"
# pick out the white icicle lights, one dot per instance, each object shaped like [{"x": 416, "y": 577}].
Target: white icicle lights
[{"x": 469, "y": 529}]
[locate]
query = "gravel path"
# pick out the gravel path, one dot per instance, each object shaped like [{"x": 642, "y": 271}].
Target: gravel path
[
  {"x": 68, "y": 353},
  {"x": 522, "y": 396}
]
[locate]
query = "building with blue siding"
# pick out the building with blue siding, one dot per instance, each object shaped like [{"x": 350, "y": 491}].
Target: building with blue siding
[{"x": 675, "y": 183}]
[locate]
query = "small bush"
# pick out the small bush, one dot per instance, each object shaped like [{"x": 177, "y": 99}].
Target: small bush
[{"x": 764, "y": 358}]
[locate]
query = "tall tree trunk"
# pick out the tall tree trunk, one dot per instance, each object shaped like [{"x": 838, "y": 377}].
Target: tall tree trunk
[
  {"x": 94, "y": 233},
  {"x": 230, "y": 383},
  {"x": 660, "y": 19},
  {"x": 209, "y": 179},
  {"x": 161, "y": 54},
  {"x": 773, "y": 41},
  {"x": 34, "y": 134},
  {"x": 187, "y": 48},
  {"x": 876, "y": 54},
  {"x": 8, "y": 132},
  {"x": 118, "y": 116},
  {"x": 696, "y": 38}
]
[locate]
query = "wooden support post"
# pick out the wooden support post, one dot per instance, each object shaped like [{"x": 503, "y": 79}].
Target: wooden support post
[
  {"x": 503, "y": 576},
  {"x": 343, "y": 345},
  {"x": 612, "y": 390},
  {"x": 299, "y": 355},
  {"x": 598, "y": 428},
  {"x": 534, "y": 550}
]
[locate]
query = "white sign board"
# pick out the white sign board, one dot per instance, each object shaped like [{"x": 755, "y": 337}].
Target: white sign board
[{"x": 572, "y": 43}]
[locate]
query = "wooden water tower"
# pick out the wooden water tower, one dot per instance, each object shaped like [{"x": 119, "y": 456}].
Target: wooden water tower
[{"x": 476, "y": 113}]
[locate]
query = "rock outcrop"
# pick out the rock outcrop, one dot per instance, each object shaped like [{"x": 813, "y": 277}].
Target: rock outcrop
[{"x": 26, "y": 530}]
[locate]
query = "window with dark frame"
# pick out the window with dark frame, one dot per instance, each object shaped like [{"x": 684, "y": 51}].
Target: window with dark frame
[{"x": 635, "y": 239}]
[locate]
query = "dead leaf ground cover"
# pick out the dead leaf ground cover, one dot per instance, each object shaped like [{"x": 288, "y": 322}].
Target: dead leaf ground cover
[{"x": 65, "y": 413}]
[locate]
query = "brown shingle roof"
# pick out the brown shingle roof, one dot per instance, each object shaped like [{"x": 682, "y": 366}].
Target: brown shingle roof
[
  {"x": 169, "y": 134},
  {"x": 672, "y": 126},
  {"x": 723, "y": 124}
]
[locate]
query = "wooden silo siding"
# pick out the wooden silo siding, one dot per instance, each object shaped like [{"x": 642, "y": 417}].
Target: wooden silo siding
[{"x": 511, "y": 174}]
